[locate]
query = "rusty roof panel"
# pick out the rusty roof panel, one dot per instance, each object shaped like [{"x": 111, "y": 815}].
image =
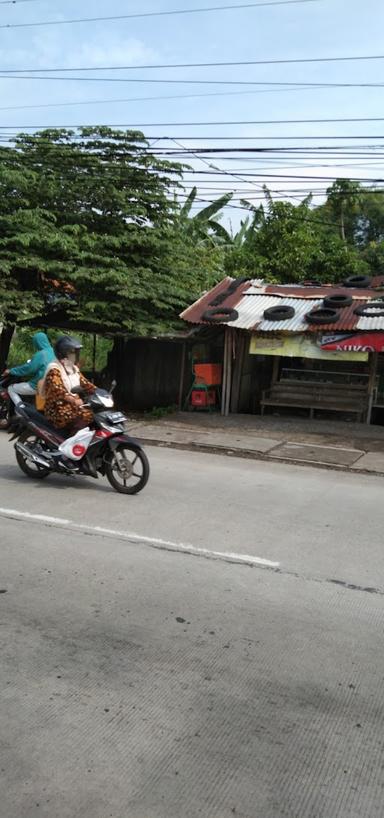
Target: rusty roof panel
[
  {"x": 295, "y": 324},
  {"x": 195, "y": 312},
  {"x": 370, "y": 324},
  {"x": 293, "y": 291},
  {"x": 347, "y": 321},
  {"x": 253, "y": 297}
]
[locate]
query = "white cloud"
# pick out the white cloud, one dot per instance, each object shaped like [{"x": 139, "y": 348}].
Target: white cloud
[
  {"x": 50, "y": 50},
  {"x": 115, "y": 51}
]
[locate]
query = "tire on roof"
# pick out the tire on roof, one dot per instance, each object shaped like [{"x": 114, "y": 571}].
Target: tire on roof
[
  {"x": 337, "y": 301},
  {"x": 236, "y": 283},
  {"x": 372, "y": 309},
  {"x": 359, "y": 282},
  {"x": 323, "y": 315},
  {"x": 219, "y": 299},
  {"x": 220, "y": 315},
  {"x": 279, "y": 313}
]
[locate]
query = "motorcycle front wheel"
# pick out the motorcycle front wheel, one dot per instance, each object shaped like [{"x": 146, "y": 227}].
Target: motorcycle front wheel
[
  {"x": 127, "y": 469},
  {"x": 27, "y": 466},
  {"x": 5, "y": 415}
]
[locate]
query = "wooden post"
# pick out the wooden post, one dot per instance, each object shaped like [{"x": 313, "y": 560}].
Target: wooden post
[
  {"x": 275, "y": 370},
  {"x": 229, "y": 372},
  {"x": 94, "y": 356},
  {"x": 182, "y": 375},
  {"x": 371, "y": 382},
  {"x": 225, "y": 372},
  {"x": 238, "y": 371}
]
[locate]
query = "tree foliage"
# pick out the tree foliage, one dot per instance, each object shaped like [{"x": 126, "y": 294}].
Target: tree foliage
[
  {"x": 90, "y": 225},
  {"x": 85, "y": 225},
  {"x": 286, "y": 243}
]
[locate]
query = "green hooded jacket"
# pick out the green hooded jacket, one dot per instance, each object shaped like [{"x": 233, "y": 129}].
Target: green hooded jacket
[{"x": 35, "y": 369}]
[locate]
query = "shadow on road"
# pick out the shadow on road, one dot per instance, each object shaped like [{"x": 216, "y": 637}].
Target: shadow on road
[{"x": 79, "y": 482}]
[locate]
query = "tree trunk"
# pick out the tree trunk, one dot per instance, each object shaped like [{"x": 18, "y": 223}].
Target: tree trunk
[
  {"x": 342, "y": 226},
  {"x": 6, "y": 336}
]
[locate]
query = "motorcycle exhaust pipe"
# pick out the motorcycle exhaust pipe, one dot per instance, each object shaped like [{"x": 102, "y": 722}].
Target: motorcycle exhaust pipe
[{"x": 30, "y": 455}]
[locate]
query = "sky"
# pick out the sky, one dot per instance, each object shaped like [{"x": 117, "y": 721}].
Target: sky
[{"x": 291, "y": 31}]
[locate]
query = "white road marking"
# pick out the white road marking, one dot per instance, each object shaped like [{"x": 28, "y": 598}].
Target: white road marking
[{"x": 131, "y": 536}]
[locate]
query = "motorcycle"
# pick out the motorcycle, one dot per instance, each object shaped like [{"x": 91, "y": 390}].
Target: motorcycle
[
  {"x": 7, "y": 409},
  {"x": 103, "y": 448},
  {"x": 5, "y": 403}
]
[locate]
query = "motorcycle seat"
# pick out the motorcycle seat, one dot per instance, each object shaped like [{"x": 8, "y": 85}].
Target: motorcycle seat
[{"x": 39, "y": 418}]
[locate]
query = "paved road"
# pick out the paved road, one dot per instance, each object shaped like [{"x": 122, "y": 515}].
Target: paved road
[{"x": 140, "y": 683}]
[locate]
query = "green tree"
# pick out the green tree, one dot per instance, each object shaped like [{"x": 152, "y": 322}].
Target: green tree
[
  {"x": 86, "y": 223},
  {"x": 202, "y": 227},
  {"x": 343, "y": 203},
  {"x": 288, "y": 243},
  {"x": 280, "y": 241}
]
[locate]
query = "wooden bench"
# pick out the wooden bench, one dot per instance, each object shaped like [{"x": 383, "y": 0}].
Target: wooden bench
[{"x": 317, "y": 395}]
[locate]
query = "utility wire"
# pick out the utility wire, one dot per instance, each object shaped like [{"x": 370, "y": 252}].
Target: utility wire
[
  {"x": 214, "y": 167},
  {"x": 234, "y": 122},
  {"x": 156, "y": 14},
  {"x": 154, "y": 66},
  {"x": 134, "y": 125},
  {"x": 150, "y": 99},
  {"x": 195, "y": 82},
  {"x": 16, "y": 2}
]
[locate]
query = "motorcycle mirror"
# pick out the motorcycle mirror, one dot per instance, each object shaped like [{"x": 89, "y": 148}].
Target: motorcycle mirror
[{"x": 113, "y": 386}]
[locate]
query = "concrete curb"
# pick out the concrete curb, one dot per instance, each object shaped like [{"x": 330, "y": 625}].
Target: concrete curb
[{"x": 252, "y": 455}]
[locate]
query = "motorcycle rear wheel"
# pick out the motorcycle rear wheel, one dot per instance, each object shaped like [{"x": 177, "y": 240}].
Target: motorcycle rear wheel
[
  {"x": 5, "y": 416},
  {"x": 127, "y": 469},
  {"x": 33, "y": 470}
]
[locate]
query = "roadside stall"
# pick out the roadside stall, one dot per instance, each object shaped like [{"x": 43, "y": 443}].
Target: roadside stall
[{"x": 299, "y": 347}]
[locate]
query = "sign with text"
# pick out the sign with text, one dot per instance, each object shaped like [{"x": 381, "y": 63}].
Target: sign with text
[
  {"x": 354, "y": 342},
  {"x": 301, "y": 346}
]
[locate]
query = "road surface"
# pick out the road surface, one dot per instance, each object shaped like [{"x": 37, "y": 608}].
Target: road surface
[{"x": 142, "y": 677}]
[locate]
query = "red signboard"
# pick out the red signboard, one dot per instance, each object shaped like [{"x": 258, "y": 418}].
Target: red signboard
[{"x": 354, "y": 342}]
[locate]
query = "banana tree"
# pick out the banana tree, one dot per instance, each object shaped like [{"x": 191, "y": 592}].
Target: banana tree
[{"x": 202, "y": 226}]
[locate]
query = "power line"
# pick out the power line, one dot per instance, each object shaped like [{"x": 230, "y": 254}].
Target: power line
[
  {"x": 113, "y": 100},
  {"x": 168, "y": 81},
  {"x": 214, "y": 167},
  {"x": 155, "y": 14},
  {"x": 236, "y": 122},
  {"x": 227, "y": 122},
  {"x": 16, "y": 2},
  {"x": 310, "y": 178},
  {"x": 157, "y": 66},
  {"x": 140, "y": 125},
  {"x": 292, "y": 151}
]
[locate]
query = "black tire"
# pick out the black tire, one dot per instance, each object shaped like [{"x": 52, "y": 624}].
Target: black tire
[
  {"x": 279, "y": 313},
  {"x": 359, "y": 282},
  {"x": 34, "y": 471},
  {"x": 5, "y": 415},
  {"x": 322, "y": 316},
  {"x": 372, "y": 309},
  {"x": 311, "y": 282},
  {"x": 219, "y": 299},
  {"x": 220, "y": 315},
  {"x": 112, "y": 465},
  {"x": 236, "y": 283},
  {"x": 337, "y": 302}
]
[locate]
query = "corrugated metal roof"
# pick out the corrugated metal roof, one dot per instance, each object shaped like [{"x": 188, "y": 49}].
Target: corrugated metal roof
[
  {"x": 370, "y": 324},
  {"x": 195, "y": 312},
  {"x": 251, "y": 313},
  {"x": 346, "y": 323},
  {"x": 295, "y": 291},
  {"x": 253, "y": 297}
]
